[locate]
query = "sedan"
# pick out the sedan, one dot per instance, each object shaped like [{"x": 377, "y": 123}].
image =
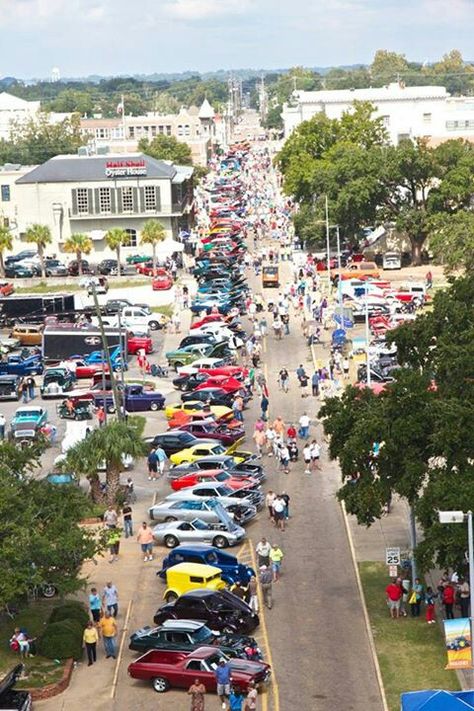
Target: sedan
[
  {"x": 55, "y": 268},
  {"x": 209, "y": 510},
  {"x": 162, "y": 280},
  {"x": 220, "y": 535},
  {"x": 202, "y": 449},
  {"x": 249, "y": 496},
  {"x": 17, "y": 271},
  {"x": 210, "y": 429},
  {"x": 220, "y": 412}
]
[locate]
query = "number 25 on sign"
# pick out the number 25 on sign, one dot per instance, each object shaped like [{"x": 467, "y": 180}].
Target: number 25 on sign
[{"x": 392, "y": 556}]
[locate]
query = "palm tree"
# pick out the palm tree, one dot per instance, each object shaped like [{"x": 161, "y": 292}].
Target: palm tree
[
  {"x": 6, "y": 243},
  {"x": 114, "y": 239},
  {"x": 78, "y": 244},
  {"x": 41, "y": 236},
  {"x": 153, "y": 233},
  {"x": 107, "y": 444}
]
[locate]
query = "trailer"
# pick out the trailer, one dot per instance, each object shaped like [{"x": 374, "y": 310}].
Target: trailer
[
  {"x": 33, "y": 308},
  {"x": 63, "y": 340}
]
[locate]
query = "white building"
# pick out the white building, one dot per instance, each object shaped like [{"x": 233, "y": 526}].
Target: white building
[
  {"x": 407, "y": 111},
  {"x": 14, "y": 110},
  {"x": 92, "y": 194}
]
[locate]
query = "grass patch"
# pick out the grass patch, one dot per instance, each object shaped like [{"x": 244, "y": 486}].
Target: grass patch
[
  {"x": 45, "y": 287},
  {"x": 411, "y": 653},
  {"x": 33, "y": 618},
  {"x": 167, "y": 310}
]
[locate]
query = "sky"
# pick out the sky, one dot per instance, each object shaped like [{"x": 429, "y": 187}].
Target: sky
[{"x": 107, "y": 37}]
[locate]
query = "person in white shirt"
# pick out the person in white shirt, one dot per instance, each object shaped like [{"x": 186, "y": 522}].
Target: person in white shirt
[
  {"x": 315, "y": 450},
  {"x": 279, "y": 506},
  {"x": 269, "y": 499},
  {"x": 262, "y": 550},
  {"x": 307, "y": 458},
  {"x": 270, "y": 434},
  {"x": 304, "y": 423}
]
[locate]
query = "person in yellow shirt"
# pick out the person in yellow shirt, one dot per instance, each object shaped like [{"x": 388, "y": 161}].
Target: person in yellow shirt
[
  {"x": 276, "y": 556},
  {"x": 90, "y": 639},
  {"x": 108, "y": 628}
]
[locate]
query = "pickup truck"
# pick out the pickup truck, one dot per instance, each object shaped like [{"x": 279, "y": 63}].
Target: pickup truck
[
  {"x": 166, "y": 669},
  {"x": 133, "y": 317},
  {"x": 16, "y": 365},
  {"x": 137, "y": 399}
]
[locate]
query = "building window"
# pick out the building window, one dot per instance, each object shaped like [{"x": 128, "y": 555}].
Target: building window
[
  {"x": 386, "y": 121},
  {"x": 187, "y": 130},
  {"x": 127, "y": 199},
  {"x": 131, "y": 239},
  {"x": 150, "y": 197},
  {"x": 102, "y": 133},
  {"x": 426, "y": 118},
  {"x": 5, "y": 193},
  {"x": 131, "y": 131},
  {"x": 82, "y": 196},
  {"x": 6, "y": 222},
  {"x": 168, "y": 130},
  {"x": 104, "y": 200},
  {"x": 180, "y": 130},
  {"x": 403, "y": 137},
  {"x": 153, "y": 130},
  {"x": 161, "y": 129}
]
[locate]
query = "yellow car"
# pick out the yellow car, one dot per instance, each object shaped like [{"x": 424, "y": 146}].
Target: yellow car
[
  {"x": 208, "y": 449},
  {"x": 184, "y": 577},
  {"x": 193, "y": 406}
]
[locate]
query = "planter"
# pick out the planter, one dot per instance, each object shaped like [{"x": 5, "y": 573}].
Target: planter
[
  {"x": 93, "y": 521},
  {"x": 50, "y": 690}
]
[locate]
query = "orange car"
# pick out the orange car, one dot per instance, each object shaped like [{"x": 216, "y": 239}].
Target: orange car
[
  {"x": 357, "y": 270},
  {"x": 6, "y": 288}
]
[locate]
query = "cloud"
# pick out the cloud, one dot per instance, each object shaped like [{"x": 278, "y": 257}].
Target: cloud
[{"x": 190, "y": 10}]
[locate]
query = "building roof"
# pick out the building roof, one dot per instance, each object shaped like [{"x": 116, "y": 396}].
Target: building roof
[
  {"x": 390, "y": 92},
  {"x": 76, "y": 169},
  {"x": 183, "y": 172},
  {"x": 206, "y": 111},
  {"x": 8, "y": 102}
]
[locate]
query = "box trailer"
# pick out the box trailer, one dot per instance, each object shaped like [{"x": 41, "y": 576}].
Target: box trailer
[
  {"x": 61, "y": 341},
  {"x": 32, "y": 308}
]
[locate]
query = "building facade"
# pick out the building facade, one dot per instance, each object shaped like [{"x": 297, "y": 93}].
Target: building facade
[
  {"x": 93, "y": 194},
  {"x": 407, "y": 112}
]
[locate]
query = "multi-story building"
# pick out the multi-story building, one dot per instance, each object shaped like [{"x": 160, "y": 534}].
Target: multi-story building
[
  {"x": 407, "y": 111},
  {"x": 94, "y": 193},
  {"x": 15, "y": 111}
]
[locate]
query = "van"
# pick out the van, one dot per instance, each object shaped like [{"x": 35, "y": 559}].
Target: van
[
  {"x": 270, "y": 277},
  {"x": 392, "y": 260},
  {"x": 28, "y": 335},
  {"x": 184, "y": 577}
]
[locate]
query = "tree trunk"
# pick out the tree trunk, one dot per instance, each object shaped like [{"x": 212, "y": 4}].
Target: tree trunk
[
  {"x": 154, "y": 258},
  {"x": 112, "y": 478},
  {"x": 2, "y": 264},
  {"x": 416, "y": 253},
  {"x": 96, "y": 491},
  {"x": 79, "y": 262},
  {"x": 41, "y": 256},
  {"x": 119, "y": 266}
]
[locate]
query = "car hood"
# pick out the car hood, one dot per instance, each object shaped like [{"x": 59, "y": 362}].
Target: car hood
[
  {"x": 169, "y": 525},
  {"x": 245, "y": 666}
]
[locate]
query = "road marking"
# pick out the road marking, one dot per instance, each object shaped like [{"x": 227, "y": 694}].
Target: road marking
[
  {"x": 274, "y": 685},
  {"x": 119, "y": 658}
]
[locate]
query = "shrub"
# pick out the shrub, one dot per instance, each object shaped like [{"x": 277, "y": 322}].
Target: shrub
[
  {"x": 62, "y": 640},
  {"x": 70, "y": 611}
]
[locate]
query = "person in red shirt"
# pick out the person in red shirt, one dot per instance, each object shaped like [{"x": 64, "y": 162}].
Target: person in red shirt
[
  {"x": 394, "y": 593},
  {"x": 291, "y": 432},
  {"x": 449, "y": 595}
]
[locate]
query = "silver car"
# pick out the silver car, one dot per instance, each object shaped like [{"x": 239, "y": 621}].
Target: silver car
[
  {"x": 209, "y": 510},
  {"x": 226, "y": 495},
  {"x": 220, "y": 535}
]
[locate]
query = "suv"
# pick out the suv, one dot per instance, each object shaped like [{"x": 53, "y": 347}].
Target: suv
[
  {"x": 73, "y": 267},
  {"x": 107, "y": 266}
]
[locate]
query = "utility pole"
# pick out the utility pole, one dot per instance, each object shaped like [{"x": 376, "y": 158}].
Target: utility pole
[
  {"x": 328, "y": 246},
  {"x": 105, "y": 346}
]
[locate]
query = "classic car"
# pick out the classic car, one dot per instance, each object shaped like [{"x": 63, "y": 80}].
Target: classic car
[
  {"x": 209, "y": 510},
  {"x": 135, "y": 397},
  {"x": 224, "y": 306},
  {"x": 107, "y": 266},
  {"x": 27, "y": 422},
  {"x": 220, "y": 535},
  {"x": 16, "y": 365},
  {"x": 188, "y": 635},
  {"x": 6, "y": 288},
  {"x": 195, "y": 451},
  {"x": 82, "y": 369},
  {"x": 229, "y": 371},
  {"x": 183, "y": 577},
  {"x": 62, "y": 478},
  {"x": 212, "y": 476},
  {"x": 12, "y": 699},
  {"x": 145, "y": 268},
  {"x": 249, "y": 495},
  {"x": 172, "y": 441},
  {"x": 212, "y": 396},
  {"x": 191, "y": 340},
  {"x": 179, "y": 670},
  {"x": 220, "y": 610},
  {"x": 202, "y": 364},
  {"x": 232, "y": 571},
  {"x": 226, "y": 462},
  {"x": 97, "y": 358},
  {"x": 10, "y": 387},
  {"x": 223, "y": 382},
  {"x": 210, "y": 429},
  {"x": 186, "y": 355},
  {"x": 162, "y": 280},
  {"x": 57, "y": 382},
  {"x": 113, "y": 306},
  {"x": 139, "y": 341},
  {"x": 28, "y": 334},
  {"x": 189, "y": 381},
  {"x": 219, "y": 411}
]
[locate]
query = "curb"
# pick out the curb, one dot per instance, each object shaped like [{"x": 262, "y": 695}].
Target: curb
[
  {"x": 364, "y": 608},
  {"x": 50, "y": 690}
]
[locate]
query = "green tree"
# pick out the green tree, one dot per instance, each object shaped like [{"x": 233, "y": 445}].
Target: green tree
[
  {"x": 107, "y": 444},
  {"x": 115, "y": 239},
  {"x": 387, "y": 65},
  {"x": 452, "y": 240},
  {"x": 166, "y": 148},
  {"x": 36, "y": 141},
  {"x": 41, "y": 236},
  {"x": 6, "y": 244},
  {"x": 153, "y": 233},
  {"x": 273, "y": 119},
  {"x": 78, "y": 244}
]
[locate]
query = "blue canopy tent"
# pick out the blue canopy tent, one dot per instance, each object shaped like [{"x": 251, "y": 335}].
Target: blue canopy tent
[{"x": 437, "y": 700}]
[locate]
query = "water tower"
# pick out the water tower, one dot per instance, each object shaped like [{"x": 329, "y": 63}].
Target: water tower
[{"x": 55, "y": 74}]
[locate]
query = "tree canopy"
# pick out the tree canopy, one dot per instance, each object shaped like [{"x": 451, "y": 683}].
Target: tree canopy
[
  {"x": 36, "y": 141},
  {"x": 166, "y": 148}
]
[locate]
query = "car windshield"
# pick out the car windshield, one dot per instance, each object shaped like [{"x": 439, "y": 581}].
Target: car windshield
[
  {"x": 203, "y": 635},
  {"x": 222, "y": 476},
  {"x": 200, "y": 525},
  {"x": 213, "y": 661},
  {"x": 218, "y": 449},
  {"x": 224, "y": 490}
]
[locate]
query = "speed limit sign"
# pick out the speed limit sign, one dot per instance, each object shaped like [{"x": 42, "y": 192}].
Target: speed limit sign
[{"x": 392, "y": 556}]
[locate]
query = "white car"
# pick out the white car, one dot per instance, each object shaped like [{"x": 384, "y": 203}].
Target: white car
[
  {"x": 199, "y": 364},
  {"x": 135, "y": 318},
  {"x": 220, "y": 333}
]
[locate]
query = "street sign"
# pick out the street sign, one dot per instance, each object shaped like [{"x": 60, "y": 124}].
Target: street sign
[
  {"x": 392, "y": 556},
  {"x": 393, "y": 571}
]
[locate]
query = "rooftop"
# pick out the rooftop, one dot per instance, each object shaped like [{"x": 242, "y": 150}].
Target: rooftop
[{"x": 385, "y": 93}]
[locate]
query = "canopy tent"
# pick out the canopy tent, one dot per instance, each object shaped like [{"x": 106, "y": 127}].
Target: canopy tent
[
  {"x": 167, "y": 247},
  {"x": 437, "y": 700}
]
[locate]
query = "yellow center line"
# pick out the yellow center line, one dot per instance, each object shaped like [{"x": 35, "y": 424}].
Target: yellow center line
[{"x": 119, "y": 658}]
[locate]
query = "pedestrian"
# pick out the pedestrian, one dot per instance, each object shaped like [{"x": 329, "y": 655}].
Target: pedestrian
[
  {"x": 304, "y": 385},
  {"x": 416, "y": 597},
  {"x": 251, "y": 699},
  {"x": 393, "y": 593},
  {"x": 279, "y": 426},
  {"x": 307, "y": 458},
  {"x": 236, "y": 699},
  {"x": 293, "y": 450},
  {"x": 430, "y": 597},
  {"x": 131, "y": 496},
  {"x": 160, "y": 459},
  {"x": 253, "y": 594},
  {"x": 284, "y": 453},
  {"x": 30, "y": 382},
  {"x": 3, "y": 423},
  {"x": 405, "y": 585},
  {"x": 90, "y": 638},
  {"x": 127, "y": 519},
  {"x": 152, "y": 461},
  {"x": 24, "y": 390},
  {"x": 263, "y": 549},
  {"x": 95, "y": 605},
  {"x": 315, "y": 384},
  {"x": 197, "y": 691},
  {"x": 279, "y": 513},
  {"x": 269, "y": 499},
  {"x": 239, "y": 591},
  {"x": 449, "y": 596},
  {"x": 291, "y": 431},
  {"x": 315, "y": 451},
  {"x": 114, "y": 543},
  {"x": 110, "y": 517},
  {"x": 222, "y": 674},
  {"x": 266, "y": 580},
  {"x": 277, "y": 328},
  {"x": 238, "y": 407},
  {"x": 345, "y": 368},
  {"x": 101, "y": 416},
  {"x": 276, "y": 557},
  {"x": 110, "y": 598},
  {"x": 270, "y": 436},
  {"x": 108, "y": 628},
  {"x": 145, "y": 539},
  {"x": 264, "y": 404},
  {"x": 304, "y": 423},
  {"x": 464, "y": 592},
  {"x": 286, "y": 499}
]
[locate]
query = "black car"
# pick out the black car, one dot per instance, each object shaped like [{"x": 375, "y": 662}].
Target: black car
[
  {"x": 190, "y": 381},
  {"x": 214, "y": 396},
  {"x": 174, "y": 441},
  {"x": 25, "y": 254},
  {"x": 107, "y": 266},
  {"x": 18, "y": 271},
  {"x": 73, "y": 267},
  {"x": 192, "y": 340},
  {"x": 10, "y": 387},
  {"x": 222, "y": 461},
  {"x": 12, "y": 699},
  {"x": 219, "y": 609}
]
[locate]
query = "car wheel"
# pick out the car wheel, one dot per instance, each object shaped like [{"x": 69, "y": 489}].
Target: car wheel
[
  {"x": 168, "y": 519},
  {"x": 220, "y": 542},
  {"x": 171, "y": 541},
  {"x": 154, "y": 406},
  {"x": 111, "y": 409},
  {"x": 154, "y": 325},
  {"x": 48, "y": 590},
  {"x": 160, "y": 684},
  {"x": 177, "y": 365},
  {"x": 171, "y": 597}
]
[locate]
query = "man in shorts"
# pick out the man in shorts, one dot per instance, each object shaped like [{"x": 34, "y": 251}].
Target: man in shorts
[
  {"x": 222, "y": 673},
  {"x": 394, "y": 594},
  {"x": 152, "y": 465},
  {"x": 160, "y": 459},
  {"x": 315, "y": 455},
  {"x": 307, "y": 458},
  {"x": 145, "y": 539}
]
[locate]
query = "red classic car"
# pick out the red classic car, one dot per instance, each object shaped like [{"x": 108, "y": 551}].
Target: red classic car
[
  {"x": 216, "y": 476},
  {"x": 229, "y": 371},
  {"x": 145, "y": 268},
  {"x": 229, "y": 384},
  {"x": 209, "y": 318},
  {"x": 162, "y": 280},
  {"x": 6, "y": 288},
  {"x": 81, "y": 369},
  {"x": 166, "y": 669},
  {"x": 181, "y": 418},
  {"x": 136, "y": 343},
  {"x": 209, "y": 429}
]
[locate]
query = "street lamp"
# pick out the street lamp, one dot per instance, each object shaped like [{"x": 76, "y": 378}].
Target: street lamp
[{"x": 460, "y": 517}]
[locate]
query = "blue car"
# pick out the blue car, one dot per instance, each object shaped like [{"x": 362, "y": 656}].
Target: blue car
[
  {"x": 95, "y": 358},
  {"x": 16, "y": 365},
  {"x": 232, "y": 570},
  {"x": 223, "y": 306}
]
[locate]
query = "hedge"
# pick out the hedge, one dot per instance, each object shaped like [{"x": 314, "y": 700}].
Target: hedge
[
  {"x": 62, "y": 640},
  {"x": 70, "y": 610}
]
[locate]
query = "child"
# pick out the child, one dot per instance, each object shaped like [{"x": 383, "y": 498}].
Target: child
[{"x": 430, "y": 598}]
